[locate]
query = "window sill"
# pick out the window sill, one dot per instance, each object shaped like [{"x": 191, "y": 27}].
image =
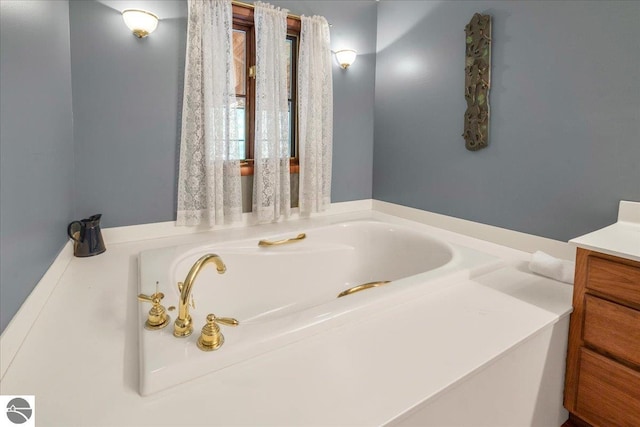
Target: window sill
[{"x": 246, "y": 167}]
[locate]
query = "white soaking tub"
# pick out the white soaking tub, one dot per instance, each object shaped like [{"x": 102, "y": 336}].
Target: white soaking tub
[{"x": 281, "y": 294}]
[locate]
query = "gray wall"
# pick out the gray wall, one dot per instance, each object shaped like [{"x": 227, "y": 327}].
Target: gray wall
[
  {"x": 36, "y": 144},
  {"x": 127, "y": 96},
  {"x": 565, "y": 107}
]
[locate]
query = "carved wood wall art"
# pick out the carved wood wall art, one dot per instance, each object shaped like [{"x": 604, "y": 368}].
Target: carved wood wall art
[{"x": 477, "y": 81}]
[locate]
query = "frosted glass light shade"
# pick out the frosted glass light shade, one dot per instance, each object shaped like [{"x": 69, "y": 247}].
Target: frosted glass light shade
[
  {"x": 346, "y": 57},
  {"x": 140, "y": 22}
]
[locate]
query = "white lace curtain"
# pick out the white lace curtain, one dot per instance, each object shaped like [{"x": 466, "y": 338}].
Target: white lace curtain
[
  {"x": 209, "y": 188},
  {"x": 271, "y": 185},
  {"x": 315, "y": 116}
]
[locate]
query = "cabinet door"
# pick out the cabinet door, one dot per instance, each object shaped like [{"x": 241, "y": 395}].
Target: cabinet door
[
  {"x": 614, "y": 279},
  {"x": 608, "y": 392},
  {"x": 612, "y": 328}
]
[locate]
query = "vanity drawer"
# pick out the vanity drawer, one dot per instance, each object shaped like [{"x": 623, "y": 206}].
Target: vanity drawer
[
  {"x": 612, "y": 328},
  {"x": 617, "y": 280},
  {"x": 608, "y": 393}
]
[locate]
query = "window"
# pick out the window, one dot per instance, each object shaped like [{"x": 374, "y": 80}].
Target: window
[{"x": 245, "y": 58}]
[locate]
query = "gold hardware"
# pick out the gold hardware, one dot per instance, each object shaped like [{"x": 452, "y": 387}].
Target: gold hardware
[
  {"x": 252, "y": 72},
  {"x": 282, "y": 242},
  {"x": 192, "y": 302},
  {"x": 211, "y": 338},
  {"x": 158, "y": 317},
  {"x": 362, "y": 287},
  {"x": 183, "y": 326}
]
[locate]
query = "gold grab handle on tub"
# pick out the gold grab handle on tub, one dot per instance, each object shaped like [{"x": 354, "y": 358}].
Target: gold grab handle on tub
[
  {"x": 362, "y": 287},
  {"x": 282, "y": 242}
]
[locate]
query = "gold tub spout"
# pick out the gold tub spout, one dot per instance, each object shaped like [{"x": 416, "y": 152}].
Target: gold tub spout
[
  {"x": 183, "y": 326},
  {"x": 362, "y": 287}
]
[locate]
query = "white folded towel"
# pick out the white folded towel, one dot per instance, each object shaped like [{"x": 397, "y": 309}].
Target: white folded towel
[{"x": 555, "y": 268}]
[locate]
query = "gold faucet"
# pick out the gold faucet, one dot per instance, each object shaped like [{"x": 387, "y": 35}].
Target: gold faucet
[{"x": 183, "y": 326}]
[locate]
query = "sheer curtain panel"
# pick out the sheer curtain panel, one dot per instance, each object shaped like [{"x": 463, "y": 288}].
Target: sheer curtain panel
[
  {"x": 315, "y": 121},
  {"x": 271, "y": 185},
  {"x": 209, "y": 188}
]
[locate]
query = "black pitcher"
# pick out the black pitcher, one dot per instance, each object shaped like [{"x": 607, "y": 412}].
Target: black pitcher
[{"x": 87, "y": 239}]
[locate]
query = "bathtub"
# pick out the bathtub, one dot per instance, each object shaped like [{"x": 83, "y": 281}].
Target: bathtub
[{"x": 282, "y": 294}]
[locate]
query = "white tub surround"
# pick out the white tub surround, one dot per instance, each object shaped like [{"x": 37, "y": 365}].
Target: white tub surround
[
  {"x": 17, "y": 330},
  {"x": 489, "y": 233},
  {"x": 19, "y": 327},
  {"x": 132, "y": 233},
  {"x": 286, "y": 293},
  {"x": 621, "y": 239},
  {"x": 403, "y": 363}
]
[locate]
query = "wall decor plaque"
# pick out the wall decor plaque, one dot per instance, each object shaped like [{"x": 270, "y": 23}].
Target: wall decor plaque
[{"x": 477, "y": 81}]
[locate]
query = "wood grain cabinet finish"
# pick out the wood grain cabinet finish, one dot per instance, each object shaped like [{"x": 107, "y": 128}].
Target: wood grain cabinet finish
[
  {"x": 612, "y": 329},
  {"x": 607, "y": 391},
  {"x": 619, "y": 281},
  {"x": 602, "y": 385}
]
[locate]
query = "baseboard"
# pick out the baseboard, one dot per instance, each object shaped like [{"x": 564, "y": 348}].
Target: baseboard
[{"x": 16, "y": 331}]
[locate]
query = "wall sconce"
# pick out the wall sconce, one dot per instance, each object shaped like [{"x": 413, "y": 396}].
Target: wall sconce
[
  {"x": 140, "y": 22},
  {"x": 346, "y": 57}
]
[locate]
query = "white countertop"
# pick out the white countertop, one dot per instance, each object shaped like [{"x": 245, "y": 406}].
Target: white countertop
[
  {"x": 621, "y": 239},
  {"x": 80, "y": 358}
]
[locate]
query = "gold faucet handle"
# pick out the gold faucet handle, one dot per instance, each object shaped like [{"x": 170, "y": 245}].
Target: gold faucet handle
[
  {"x": 158, "y": 317},
  {"x": 153, "y": 298},
  {"x": 211, "y": 338},
  {"x": 229, "y": 321}
]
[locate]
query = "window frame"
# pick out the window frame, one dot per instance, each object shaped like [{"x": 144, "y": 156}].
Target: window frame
[{"x": 243, "y": 19}]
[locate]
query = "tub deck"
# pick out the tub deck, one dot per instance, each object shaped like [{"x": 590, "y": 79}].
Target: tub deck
[
  {"x": 82, "y": 363},
  {"x": 285, "y": 294}
]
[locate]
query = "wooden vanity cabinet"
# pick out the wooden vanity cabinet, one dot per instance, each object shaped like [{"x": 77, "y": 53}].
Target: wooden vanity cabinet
[{"x": 602, "y": 385}]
